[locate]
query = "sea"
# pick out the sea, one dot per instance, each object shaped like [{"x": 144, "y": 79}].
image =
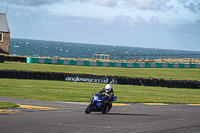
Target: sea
[{"x": 42, "y": 48}]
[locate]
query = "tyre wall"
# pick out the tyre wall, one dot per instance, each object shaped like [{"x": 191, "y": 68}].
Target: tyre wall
[
  {"x": 111, "y": 64},
  {"x": 1, "y": 58},
  {"x": 14, "y": 74},
  {"x": 12, "y": 58}
]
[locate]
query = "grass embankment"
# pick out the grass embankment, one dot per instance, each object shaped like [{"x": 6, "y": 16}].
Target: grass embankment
[
  {"x": 7, "y": 105},
  {"x": 166, "y": 73},
  {"x": 82, "y": 92},
  {"x": 73, "y": 91}
]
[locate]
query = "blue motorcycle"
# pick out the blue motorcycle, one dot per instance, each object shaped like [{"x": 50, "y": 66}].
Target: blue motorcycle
[{"x": 98, "y": 103}]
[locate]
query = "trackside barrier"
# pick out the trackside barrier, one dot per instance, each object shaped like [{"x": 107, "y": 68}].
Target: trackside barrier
[
  {"x": 14, "y": 74},
  {"x": 111, "y": 64},
  {"x": 15, "y": 58},
  {"x": 1, "y": 58}
]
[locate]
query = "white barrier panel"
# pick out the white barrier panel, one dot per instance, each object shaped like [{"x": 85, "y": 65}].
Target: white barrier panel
[
  {"x": 106, "y": 64},
  {"x": 79, "y": 63},
  {"x": 198, "y": 65},
  {"x": 66, "y": 62},
  {"x": 41, "y": 60},
  {"x": 186, "y": 65},
  {"x": 93, "y": 63},
  {"x": 176, "y": 65},
  {"x": 130, "y": 65},
  {"x": 141, "y": 65},
  {"x": 53, "y": 61},
  {"x": 153, "y": 65},
  {"x": 118, "y": 64},
  {"x": 164, "y": 65}
]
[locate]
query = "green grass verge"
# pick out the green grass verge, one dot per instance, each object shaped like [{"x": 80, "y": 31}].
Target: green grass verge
[
  {"x": 7, "y": 105},
  {"x": 82, "y": 92},
  {"x": 166, "y": 73}
]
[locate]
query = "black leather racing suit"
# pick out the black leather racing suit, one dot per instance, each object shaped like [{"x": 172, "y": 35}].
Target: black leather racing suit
[{"x": 109, "y": 95}]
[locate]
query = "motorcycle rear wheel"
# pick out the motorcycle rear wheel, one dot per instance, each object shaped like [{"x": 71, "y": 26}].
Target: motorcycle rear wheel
[
  {"x": 109, "y": 108},
  {"x": 88, "y": 109},
  {"x": 105, "y": 110}
]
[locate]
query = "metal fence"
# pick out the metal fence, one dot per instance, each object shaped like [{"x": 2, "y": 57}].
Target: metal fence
[{"x": 146, "y": 57}]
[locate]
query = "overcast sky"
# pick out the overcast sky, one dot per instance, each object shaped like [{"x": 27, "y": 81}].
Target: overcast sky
[{"x": 167, "y": 24}]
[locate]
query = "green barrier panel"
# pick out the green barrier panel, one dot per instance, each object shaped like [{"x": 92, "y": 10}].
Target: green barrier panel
[
  {"x": 59, "y": 61},
  {"x": 147, "y": 65},
  {"x": 158, "y": 65},
  {"x": 192, "y": 65},
  {"x": 34, "y": 60},
  {"x": 28, "y": 60},
  {"x": 111, "y": 64},
  {"x": 86, "y": 63},
  {"x": 170, "y": 65},
  {"x": 99, "y": 63},
  {"x": 136, "y": 65},
  {"x": 73, "y": 62},
  {"x": 47, "y": 61},
  {"x": 181, "y": 65},
  {"x": 123, "y": 64}
]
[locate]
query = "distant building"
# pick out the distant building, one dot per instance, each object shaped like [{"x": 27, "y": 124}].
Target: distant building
[{"x": 4, "y": 34}]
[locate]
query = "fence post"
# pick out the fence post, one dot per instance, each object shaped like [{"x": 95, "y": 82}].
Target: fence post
[
  {"x": 166, "y": 56},
  {"x": 172, "y": 56},
  {"x": 128, "y": 58},
  {"x": 141, "y": 56},
  {"x": 185, "y": 56},
  {"x": 160, "y": 56}
]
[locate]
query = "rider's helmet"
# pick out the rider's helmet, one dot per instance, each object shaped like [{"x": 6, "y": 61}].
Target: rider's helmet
[{"x": 108, "y": 88}]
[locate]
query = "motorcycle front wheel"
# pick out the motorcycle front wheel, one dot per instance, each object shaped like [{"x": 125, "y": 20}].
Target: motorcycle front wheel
[{"x": 88, "y": 109}]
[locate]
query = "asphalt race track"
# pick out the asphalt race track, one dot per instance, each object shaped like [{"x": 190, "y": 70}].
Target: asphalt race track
[{"x": 130, "y": 118}]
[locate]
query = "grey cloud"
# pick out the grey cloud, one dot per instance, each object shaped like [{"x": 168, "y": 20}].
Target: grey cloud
[
  {"x": 182, "y": 1},
  {"x": 108, "y": 3},
  {"x": 32, "y": 2},
  {"x": 155, "y": 5},
  {"x": 137, "y": 23},
  {"x": 192, "y": 5}
]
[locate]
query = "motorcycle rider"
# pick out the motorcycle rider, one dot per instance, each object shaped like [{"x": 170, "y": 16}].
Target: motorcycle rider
[{"x": 109, "y": 94}]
